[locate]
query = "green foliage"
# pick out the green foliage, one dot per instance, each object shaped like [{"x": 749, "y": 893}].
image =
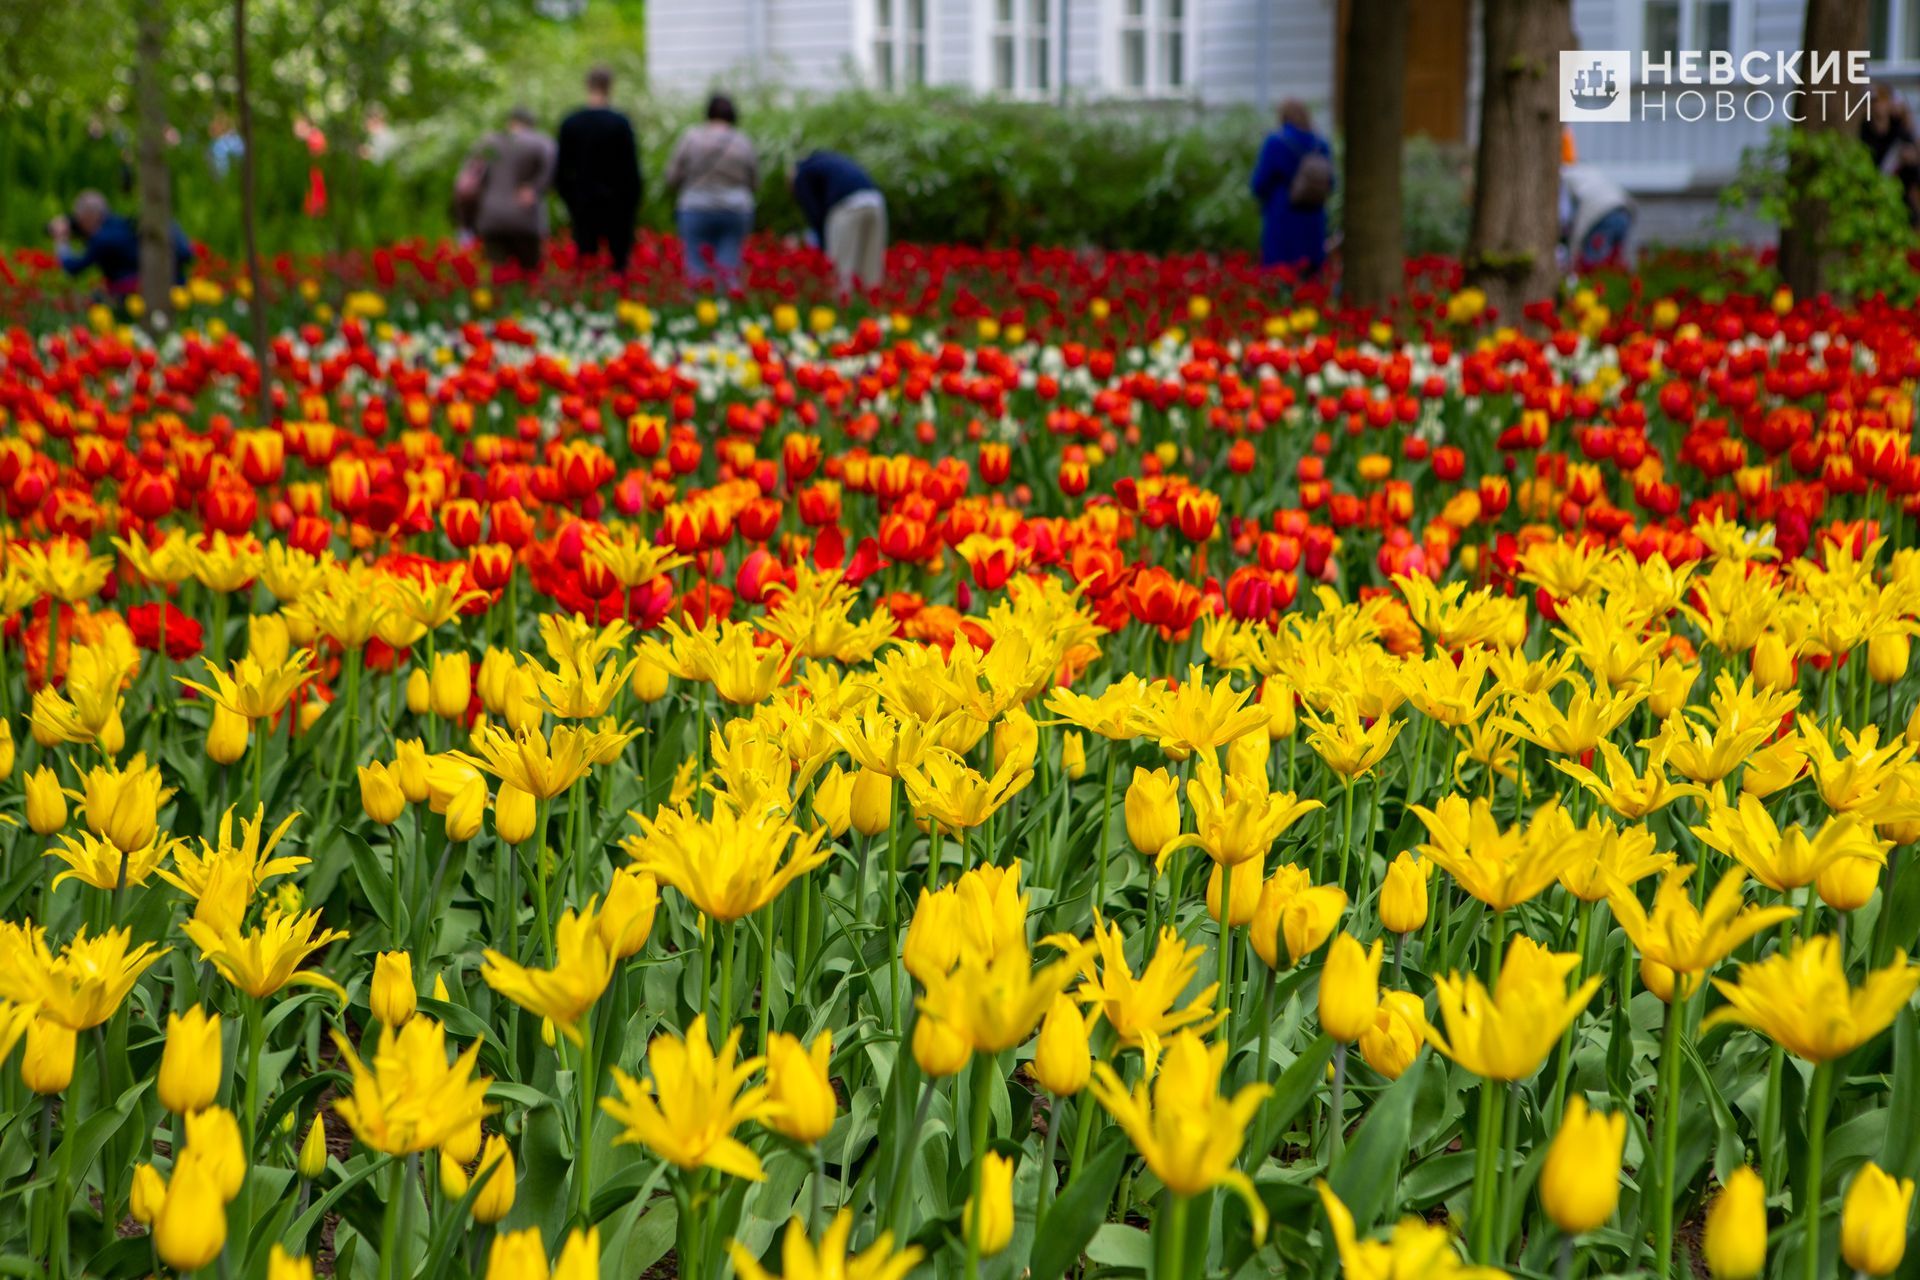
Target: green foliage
[
  {"x": 958, "y": 169},
  {"x": 1866, "y": 235}
]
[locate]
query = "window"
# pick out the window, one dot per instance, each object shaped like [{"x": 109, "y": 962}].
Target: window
[
  {"x": 1149, "y": 47},
  {"x": 1669, "y": 26},
  {"x": 1019, "y": 49},
  {"x": 895, "y": 43},
  {"x": 1894, "y": 30}
]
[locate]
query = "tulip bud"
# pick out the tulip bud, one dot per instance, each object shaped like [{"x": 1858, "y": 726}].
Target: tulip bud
[
  {"x": 1887, "y": 653},
  {"x": 832, "y": 801},
  {"x": 440, "y": 991},
  {"x": 410, "y": 767},
  {"x": 393, "y": 998},
  {"x": 1015, "y": 737},
  {"x": 1246, "y": 891},
  {"x": 190, "y": 1062},
  {"x": 6, "y": 748},
  {"x": 1847, "y": 884},
  {"x": 381, "y": 798},
  {"x": 1247, "y": 756},
  {"x": 464, "y": 1145},
  {"x": 282, "y": 1265},
  {"x": 1152, "y": 811},
  {"x": 1873, "y": 1221},
  {"x": 1403, "y": 896},
  {"x": 1276, "y": 699},
  {"x": 1349, "y": 988},
  {"x": 649, "y": 680},
  {"x": 1073, "y": 755},
  {"x": 226, "y": 736},
  {"x": 517, "y": 1255},
  {"x": 452, "y": 684},
  {"x": 1580, "y": 1181},
  {"x": 213, "y": 1140},
  {"x": 190, "y": 1226},
  {"x": 467, "y": 810},
  {"x": 148, "y": 1192},
  {"x": 938, "y": 1049},
  {"x": 514, "y": 813},
  {"x": 1735, "y": 1243},
  {"x": 453, "y": 1177},
  {"x": 994, "y": 1209},
  {"x": 1657, "y": 978},
  {"x": 1061, "y": 1059},
  {"x": 797, "y": 1080},
  {"x": 626, "y": 918},
  {"x": 419, "y": 691},
  {"x": 1294, "y": 910},
  {"x": 46, "y": 802},
  {"x": 1772, "y": 667},
  {"x": 312, "y": 1161},
  {"x": 495, "y": 1198},
  {"x": 1399, "y": 1029},
  {"x": 46, "y": 1067},
  {"x": 870, "y": 804}
]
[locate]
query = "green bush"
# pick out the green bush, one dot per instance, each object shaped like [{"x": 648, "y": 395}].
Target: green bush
[{"x": 957, "y": 169}]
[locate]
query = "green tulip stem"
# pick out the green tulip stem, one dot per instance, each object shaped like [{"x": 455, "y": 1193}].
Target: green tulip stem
[
  {"x": 1819, "y": 1101},
  {"x": 983, "y": 1067}
]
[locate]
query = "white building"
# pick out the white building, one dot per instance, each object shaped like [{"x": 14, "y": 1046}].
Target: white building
[{"x": 1214, "y": 52}]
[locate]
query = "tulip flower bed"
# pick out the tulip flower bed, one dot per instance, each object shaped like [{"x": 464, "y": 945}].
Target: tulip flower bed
[{"x": 1069, "y": 767}]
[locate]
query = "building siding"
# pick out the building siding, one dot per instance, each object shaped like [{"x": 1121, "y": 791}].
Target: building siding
[
  {"x": 693, "y": 44},
  {"x": 1298, "y": 56},
  {"x": 810, "y": 43}
]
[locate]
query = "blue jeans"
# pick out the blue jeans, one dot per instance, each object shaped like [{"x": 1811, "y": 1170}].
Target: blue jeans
[{"x": 712, "y": 240}]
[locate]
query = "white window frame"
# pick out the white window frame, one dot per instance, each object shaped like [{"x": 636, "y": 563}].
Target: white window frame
[
  {"x": 1033, "y": 79},
  {"x": 1633, "y": 24},
  {"x": 868, "y": 34},
  {"x": 1903, "y": 24},
  {"x": 1155, "y": 26}
]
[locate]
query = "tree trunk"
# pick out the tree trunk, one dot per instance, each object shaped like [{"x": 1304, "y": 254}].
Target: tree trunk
[
  {"x": 155, "y": 183},
  {"x": 1373, "y": 117},
  {"x": 1516, "y": 182},
  {"x": 1831, "y": 25},
  {"x": 257, "y": 302}
]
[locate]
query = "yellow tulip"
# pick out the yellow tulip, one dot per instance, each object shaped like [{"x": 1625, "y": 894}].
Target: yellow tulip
[
  {"x": 687, "y": 1111},
  {"x": 190, "y": 1074},
  {"x": 1800, "y": 999},
  {"x": 1580, "y": 1181},
  {"x": 226, "y": 736},
  {"x": 870, "y": 805},
  {"x": 1349, "y": 988},
  {"x": 829, "y": 1260},
  {"x": 381, "y": 798},
  {"x": 515, "y": 814},
  {"x": 1397, "y": 1035},
  {"x": 1061, "y": 1059},
  {"x": 1735, "y": 1241},
  {"x": 938, "y": 1049},
  {"x": 495, "y": 1197},
  {"x": 393, "y": 997},
  {"x": 1073, "y": 756},
  {"x": 1294, "y": 910},
  {"x": 312, "y": 1160},
  {"x": 1188, "y": 1134},
  {"x": 409, "y": 1098},
  {"x": 1403, "y": 895},
  {"x": 833, "y": 801},
  {"x": 798, "y": 1083},
  {"x": 988, "y": 1218},
  {"x": 1507, "y": 1033},
  {"x": 46, "y": 802},
  {"x": 1141, "y": 1009},
  {"x": 190, "y": 1226},
  {"x": 451, "y": 684},
  {"x": 582, "y": 968},
  {"x": 282, "y": 1265},
  {"x": 1873, "y": 1221},
  {"x": 46, "y": 1066},
  {"x": 625, "y": 920},
  {"x": 1153, "y": 812},
  {"x": 148, "y": 1192}
]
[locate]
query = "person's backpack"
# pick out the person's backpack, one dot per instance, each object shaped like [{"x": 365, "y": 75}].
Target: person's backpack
[{"x": 1312, "y": 181}]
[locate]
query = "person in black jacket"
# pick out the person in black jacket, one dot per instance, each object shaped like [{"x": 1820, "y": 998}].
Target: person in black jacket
[
  {"x": 847, "y": 215},
  {"x": 597, "y": 174}
]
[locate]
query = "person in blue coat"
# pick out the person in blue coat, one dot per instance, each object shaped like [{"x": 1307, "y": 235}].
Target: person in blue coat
[
  {"x": 1293, "y": 228},
  {"x": 111, "y": 243}
]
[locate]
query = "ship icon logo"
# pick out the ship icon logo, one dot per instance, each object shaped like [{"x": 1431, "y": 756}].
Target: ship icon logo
[{"x": 1594, "y": 86}]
